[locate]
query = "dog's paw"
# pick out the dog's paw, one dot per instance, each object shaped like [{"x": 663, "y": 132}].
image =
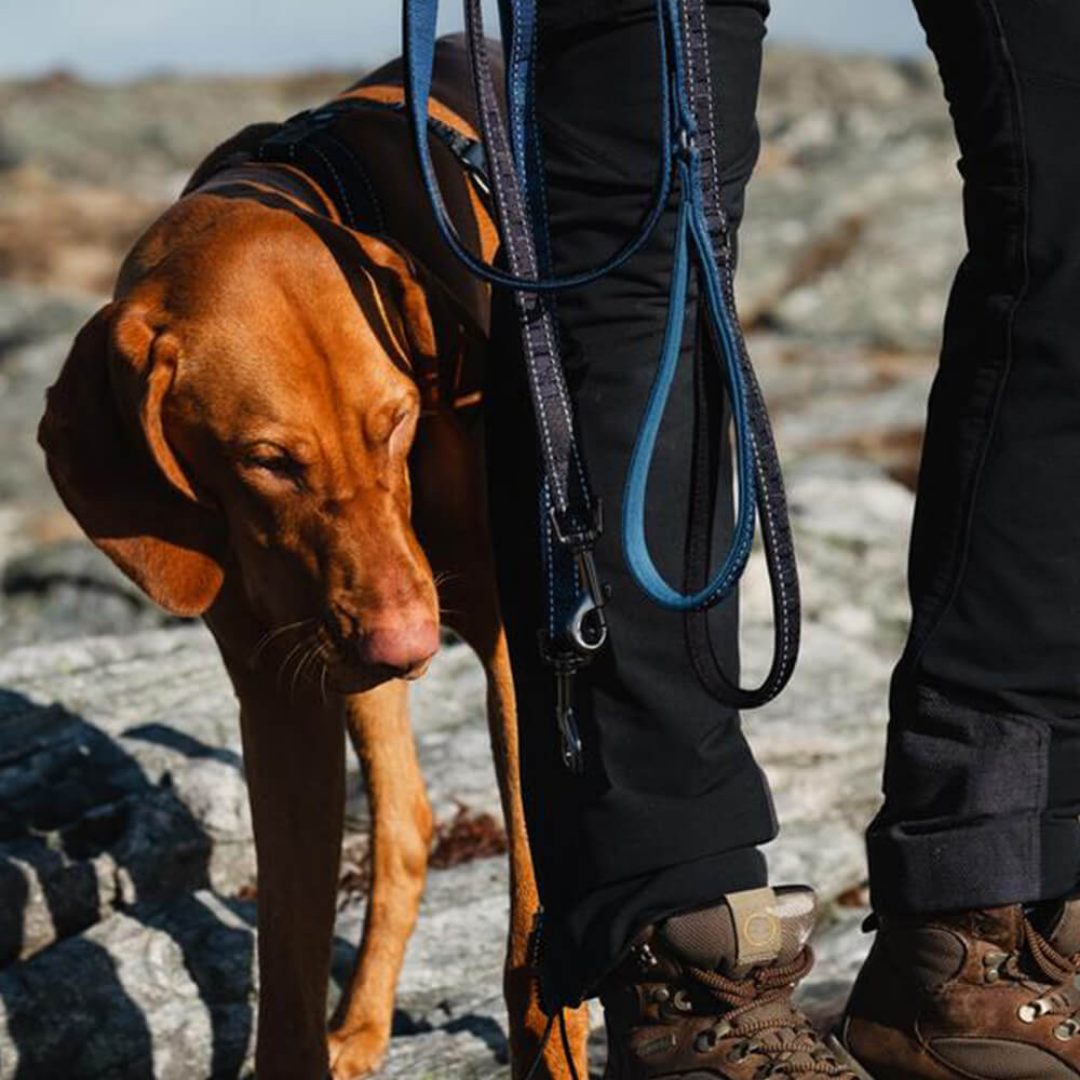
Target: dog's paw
[{"x": 357, "y": 1053}]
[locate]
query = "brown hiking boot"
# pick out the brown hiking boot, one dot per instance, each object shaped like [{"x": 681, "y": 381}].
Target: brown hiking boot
[
  {"x": 708, "y": 994},
  {"x": 981, "y": 995}
]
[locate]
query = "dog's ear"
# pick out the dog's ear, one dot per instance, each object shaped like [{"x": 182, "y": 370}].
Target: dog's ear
[
  {"x": 106, "y": 451},
  {"x": 432, "y": 320},
  {"x": 407, "y": 282}
]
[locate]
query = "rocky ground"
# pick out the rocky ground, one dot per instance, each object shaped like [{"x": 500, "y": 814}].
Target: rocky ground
[{"x": 126, "y": 866}]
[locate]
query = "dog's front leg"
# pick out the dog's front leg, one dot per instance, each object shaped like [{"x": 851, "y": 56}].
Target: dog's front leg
[
  {"x": 294, "y": 756},
  {"x": 527, "y": 1021},
  {"x": 401, "y": 827}
]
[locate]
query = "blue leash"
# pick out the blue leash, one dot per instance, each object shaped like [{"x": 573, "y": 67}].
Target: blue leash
[
  {"x": 421, "y": 18},
  {"x": 571, "y": 518}
]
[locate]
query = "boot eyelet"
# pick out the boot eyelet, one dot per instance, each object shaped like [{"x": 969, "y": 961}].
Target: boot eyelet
[
  {"x": 992, "y": 962},
  {"x": 739, "y": 1053},
  {"x": 1066, "y": 1030},
  {"x": 1033, "y": 1010},
  {"x": 646, "y": 958},
  {"x": 706, "y": 1042},
  {"x": 681, "y": 1001},
  {"x": 659, "y": 995}
]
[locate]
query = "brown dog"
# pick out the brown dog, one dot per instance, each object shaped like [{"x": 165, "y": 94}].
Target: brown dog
[{"x": 268, "y": 427}]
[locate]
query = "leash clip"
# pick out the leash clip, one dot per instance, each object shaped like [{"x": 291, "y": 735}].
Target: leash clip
[
  {"x": 586, "y": 629},
  {"x": 565, "y": 662},
  {"x": 573, "y": 753}
]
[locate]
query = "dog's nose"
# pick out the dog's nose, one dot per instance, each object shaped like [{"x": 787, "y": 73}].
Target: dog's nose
[{"x": 400, "y": 643}]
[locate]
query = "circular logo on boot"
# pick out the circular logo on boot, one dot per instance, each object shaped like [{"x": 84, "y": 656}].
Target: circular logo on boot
[{"x": 761, "y": 929}]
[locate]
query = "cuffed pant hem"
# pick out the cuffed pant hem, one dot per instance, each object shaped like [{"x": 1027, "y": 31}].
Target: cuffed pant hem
[
  {"x": 585, "y": 944},
  {"x": 979, "y": 863}
]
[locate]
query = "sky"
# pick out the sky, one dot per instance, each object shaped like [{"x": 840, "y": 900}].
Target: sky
[{"x": 117, "y": 39}]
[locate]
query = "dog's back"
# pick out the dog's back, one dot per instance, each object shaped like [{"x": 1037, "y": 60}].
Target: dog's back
[
  {"x": 451, "y": 81},
  {"x": 373, "y": 168}
]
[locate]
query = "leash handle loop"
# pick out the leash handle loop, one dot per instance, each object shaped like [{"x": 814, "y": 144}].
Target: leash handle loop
[{"x": 420, "y": 20}]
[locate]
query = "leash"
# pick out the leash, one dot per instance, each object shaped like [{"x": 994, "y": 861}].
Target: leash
[
  {"x": 756, "y": 444},
  {"x": 570, "y": 516}
]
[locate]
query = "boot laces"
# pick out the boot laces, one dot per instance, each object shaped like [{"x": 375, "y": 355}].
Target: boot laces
[
  {"x": 1056, "y": 975},
  {"x": 761, "y": 1012}
]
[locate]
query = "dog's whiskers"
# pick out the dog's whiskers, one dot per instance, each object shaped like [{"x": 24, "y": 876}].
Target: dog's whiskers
[
  {"x": 442, "y": 578},
  {"x": 298, "y": 647},
  {"x": 272, "y": 635},
  {"x": 312, "y": 647}
]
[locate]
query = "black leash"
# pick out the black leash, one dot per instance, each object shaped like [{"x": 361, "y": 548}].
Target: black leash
[{"x": 768, "y": 481}]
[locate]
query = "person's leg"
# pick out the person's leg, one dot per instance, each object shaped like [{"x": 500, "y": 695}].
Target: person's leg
[
  {"x": 982, "y": 779},
  {"x": 671, "y": 807}
]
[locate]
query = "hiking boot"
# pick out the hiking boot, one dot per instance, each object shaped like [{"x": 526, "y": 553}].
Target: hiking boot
[
  {"x": 980, "y": 995},
  {"x": 708, "y": 994}
]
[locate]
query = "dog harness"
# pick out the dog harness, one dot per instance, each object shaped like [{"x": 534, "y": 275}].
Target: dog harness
[
  {"x": 305, "y": 167},
  {"x": 570, "y": 516}
]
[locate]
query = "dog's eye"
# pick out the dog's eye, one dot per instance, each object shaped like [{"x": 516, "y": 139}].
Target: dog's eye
[
  {"x": 275, "y": 461},
  {"x": 281, "y": 466}
]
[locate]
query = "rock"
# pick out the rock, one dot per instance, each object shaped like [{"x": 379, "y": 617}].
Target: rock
[
  {"x": 125, "y": 838},
  {"x": 166, "y": 993},
  {"x": 67, "y": 234},
  {"x": 854, "y": 226},
  {"x": 70, "y": 589},
  {"x": 146, "y": 135},
  {"x": 36, "y": 330},
  {"x": 28, "y": 314}
]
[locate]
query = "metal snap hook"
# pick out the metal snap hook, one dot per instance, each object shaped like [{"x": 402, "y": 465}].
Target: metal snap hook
[{"x": 588, "y": 629}]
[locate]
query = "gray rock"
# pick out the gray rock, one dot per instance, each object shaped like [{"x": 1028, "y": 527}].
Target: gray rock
[
  {"x": 126, "y": 828},
  {"x": 144, "y": 136},
  {"x": 69, "y": 589},
  {"x": 28, "y": 314},
  {"x": 854, "y": 225},
  {"x": 165, "y": 992}
]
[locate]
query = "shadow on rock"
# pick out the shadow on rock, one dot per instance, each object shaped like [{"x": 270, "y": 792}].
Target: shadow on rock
[{"x": 115, "y": 958}]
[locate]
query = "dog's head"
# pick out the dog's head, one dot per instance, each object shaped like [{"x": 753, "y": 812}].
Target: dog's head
[{"x": 244, "y": 412}]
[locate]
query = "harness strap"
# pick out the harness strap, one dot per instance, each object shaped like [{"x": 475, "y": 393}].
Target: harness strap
[{"x": 305, "y": 168}]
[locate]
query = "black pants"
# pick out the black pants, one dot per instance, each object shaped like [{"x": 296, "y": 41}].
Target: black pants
[{"x": 982, "y": 788}]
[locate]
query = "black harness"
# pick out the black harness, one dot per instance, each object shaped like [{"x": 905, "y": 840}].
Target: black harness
[
  {"x": 318, "y": 177},
  {"x": 309, "y": 143}
]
